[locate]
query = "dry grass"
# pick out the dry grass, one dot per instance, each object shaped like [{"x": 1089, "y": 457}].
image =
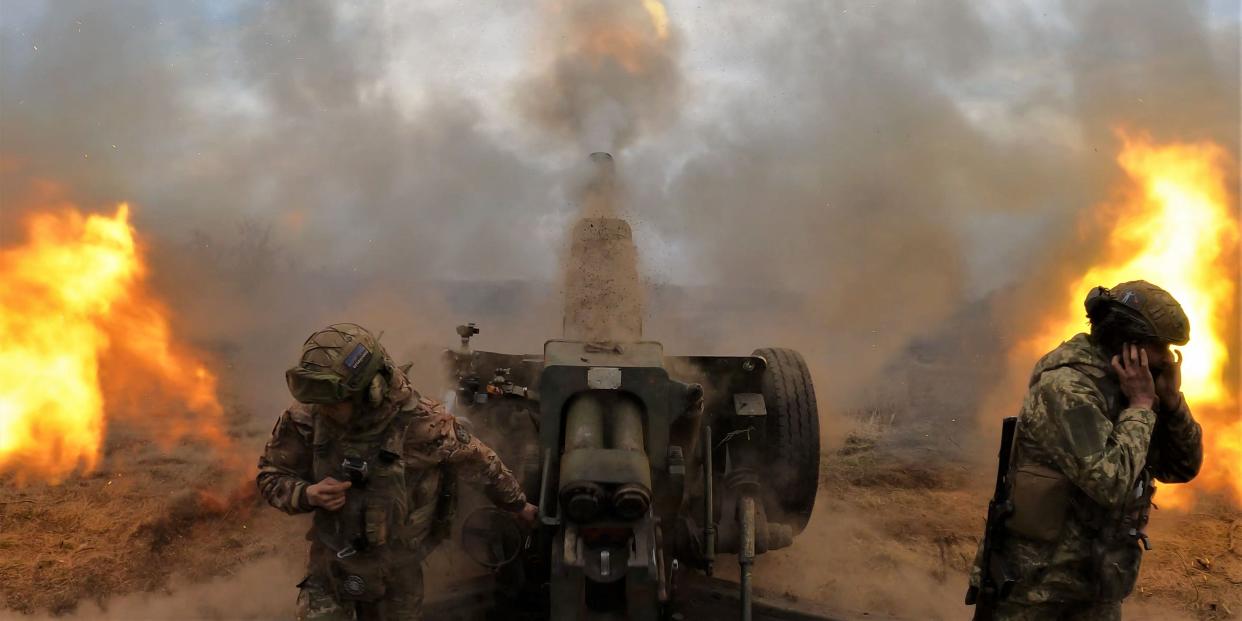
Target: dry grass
[
  {"x": 1191, "y": 563},
  {"x": 129, "y": 527},
  {"x": 892, "y": 534}
]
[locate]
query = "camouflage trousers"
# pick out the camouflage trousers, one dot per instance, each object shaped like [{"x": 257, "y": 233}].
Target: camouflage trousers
[
  {"x": 403, "y": 601},
  {"x": 1080, "y": 611}
]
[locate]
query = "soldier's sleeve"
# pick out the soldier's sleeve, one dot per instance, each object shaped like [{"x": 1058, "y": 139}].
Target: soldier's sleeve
[
  {"x": 439, "y": 433},
  {"x": 1176, "y": 446},
  {"x": 285, "y": 467},
  {"x": 1063, "y": 418}
]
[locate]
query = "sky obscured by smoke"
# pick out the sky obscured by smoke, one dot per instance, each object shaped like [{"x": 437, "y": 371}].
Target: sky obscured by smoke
[{"x": 870, "y": 166}]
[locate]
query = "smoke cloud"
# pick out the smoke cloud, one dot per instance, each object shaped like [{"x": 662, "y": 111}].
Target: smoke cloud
[
  {"x": 858, "y": 171},
  {"x": 900, "y": 163},
  {"x": 279, "y": 187},
  {"x": 611, "y": 75}
]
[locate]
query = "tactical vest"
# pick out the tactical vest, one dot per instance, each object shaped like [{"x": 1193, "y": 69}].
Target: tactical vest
[
  {"x": 367, "y": 537},
  {"x": 1117, "y": 549},
  {"x": 1044, "y": 498}
]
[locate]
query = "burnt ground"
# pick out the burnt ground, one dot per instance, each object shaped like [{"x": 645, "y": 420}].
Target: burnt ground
[{"x": 892, "y": 536}]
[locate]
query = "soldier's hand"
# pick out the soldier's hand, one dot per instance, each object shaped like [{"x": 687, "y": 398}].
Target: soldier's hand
[
  {"x": 328, "y": 494},
  {"x": 1136, "y": 381},
  {"x": 1169, "y": 384},
  {"x": 528, "y": 514}
]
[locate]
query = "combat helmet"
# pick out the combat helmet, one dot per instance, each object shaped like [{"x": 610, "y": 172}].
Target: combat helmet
[
  {"x": 337, "y": 364},
  {"x": 1153, "y": 311}
]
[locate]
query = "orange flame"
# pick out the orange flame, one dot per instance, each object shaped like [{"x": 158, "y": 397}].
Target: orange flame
[
  {"x": 659, "y": 17},
  {"x": 631, "y": 43},
  {"x": 82, "y": 337},
  {"x": 1176, "y": 228}
]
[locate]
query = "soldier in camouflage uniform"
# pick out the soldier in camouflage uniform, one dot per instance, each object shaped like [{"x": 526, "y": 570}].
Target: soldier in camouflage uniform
[
  {"x": 1104, "y": 416},
  {"x": 374, "y": 462}
]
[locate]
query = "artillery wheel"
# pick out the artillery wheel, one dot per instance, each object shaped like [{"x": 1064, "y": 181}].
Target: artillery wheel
[{"x": 792, "y": 433}]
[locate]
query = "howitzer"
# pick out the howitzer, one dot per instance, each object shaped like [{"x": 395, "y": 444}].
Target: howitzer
[
  {"x": 996, "y": 575},
  {"x": 641, "y": 473},
  {"x": 644, "y": 466}
]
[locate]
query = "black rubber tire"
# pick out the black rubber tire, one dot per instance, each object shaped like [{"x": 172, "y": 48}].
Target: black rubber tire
[{"x": 792, "y": 435}]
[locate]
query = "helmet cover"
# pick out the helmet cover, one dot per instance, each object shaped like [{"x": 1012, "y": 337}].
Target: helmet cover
[{"x": 337, "y": 364}]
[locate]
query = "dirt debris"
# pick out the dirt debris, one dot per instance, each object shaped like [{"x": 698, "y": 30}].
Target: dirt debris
[
  {"x": 131, "y": 542},
  {"x": 882, "y": 520},
  {"x": 129, "y": 527}
]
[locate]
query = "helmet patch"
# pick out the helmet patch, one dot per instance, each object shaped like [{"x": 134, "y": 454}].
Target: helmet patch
[{"x": 357, "y": 358}]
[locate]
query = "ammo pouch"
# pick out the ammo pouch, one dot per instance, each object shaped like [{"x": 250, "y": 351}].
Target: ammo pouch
[
  {"x": 1041, "y": 497},
  {"x": 1116, "y": 567},
  {"x": 1117, "y": 552},
  {"x": 359, "y": 577}
]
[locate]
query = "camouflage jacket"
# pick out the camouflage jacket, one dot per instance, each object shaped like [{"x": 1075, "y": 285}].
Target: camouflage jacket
[
  {"x": 1075, "y": 422},
  {"x": 434, "y": 440}
]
